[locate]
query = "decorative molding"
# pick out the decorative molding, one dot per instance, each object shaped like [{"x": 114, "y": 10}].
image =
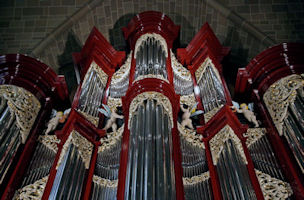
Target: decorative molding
[
  {"x": 191, "y": 136},
  {"x": 278, "y": 97},
  {"x": 33, "y": 191},
  {"x": 218, "y": 141},
  {"x": 200, "y": 71},
  {"x": 253, "y": 135},
  {"x": 85, "y": 148},
  {"x": 110, "y": 139},
  {"x": 188, "y": 100},
  {"x": 158, "y": 76},
  {"x": 100, "y": 73},
  {"x": 178, "y": 68},
  {"x": 24, "y": 105},
  {"x": 105, "y": 182},
  {"x": 50, "y": 141},
  {"x": 160, "y": 99},
  {"x": 210, "y": 114},
  {"x": 196, "y": 179},
  {"x": 273, "y": 188},
  {"x": 123, "y": 72},
  {"x": 90, "y": 118},
  {"x": 114, "y": 102},
  {"x": 157, "y": 37}
]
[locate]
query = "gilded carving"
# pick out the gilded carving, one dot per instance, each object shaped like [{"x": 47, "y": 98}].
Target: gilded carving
[
  {"x": 196, "y": 179},
  {"x": 188, "y": 100},
  {"x": 253, "y": 135},
  {"x": 160, "y": 98},
  {"x": 210, "y": 114},
  {"x": 200, "y": 71},
  {"x": 50, "y": 141},
  {"x": 157, "y": 37},
  {"x": 190, "y": 136},
  {"x": 178, "y": 69},
  {"x": 85, "y": 148},
  {"x": 24, "y": 105},
  {"x": 111, "y": 139},
  {"x": 278, "y": 97},
  {"x": 113, "y": 103},
  {"x": 158, "y": 76},
  {"x": 105, "y": 182},
  {"x": 100, "y": 73},
  {"x": 33, "y": 191},
  {"x": 273, "y": 188},
  {"x": 218, "y": 141},
  {"x": 123, "y": 72}
]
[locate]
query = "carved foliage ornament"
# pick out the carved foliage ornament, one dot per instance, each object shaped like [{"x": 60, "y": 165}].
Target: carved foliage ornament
[
  {"x": 33, "y": 191},
  {"x": 253, "y": 135},
  {"x": 158, "y": 76},
  {"x": 191, "y": 136},
  {"x": 113, "y": 103},
  {"x": 178, "y": 68},
  {"x": 100, "y": 73},
  {"x": 85, "y": 148},
  {"x": 273, "y": 188},
  {"x": 211, "y": 113},
  {"x": 50, "y": 141},
  {"x": 188, "y": 100},
  {"x": 157, "y": 37},
  {"x": 200, "y": 71},
  {"x": 160, "y": 99},
  {"x": 278, "y": 97},
  {"x": 24, "y": 105},
  {"x": 123, "y": 72},
  {"x": 196, "y": 179},
  {"x": 218, "y": 141},
  {"x": 105, "y": 182},
  {"x": 110, "y": 139}
]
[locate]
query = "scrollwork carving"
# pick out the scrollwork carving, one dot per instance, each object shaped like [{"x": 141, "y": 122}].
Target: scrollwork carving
[
  {"x": 157, "y": 37},
  {"x": 199, "y": 72},
  {"x": 196, "y": 179},
  {"x": 278, "y": 97},
  {"x": 111, "y": 139},
  {"x": 123, "y": 71},
  {"x": 273, "y": 188},
  {"x": 105, "y": 182},
  {"x": 158, "y": 76},
  {"x": 218, "y": 141},
  {"x": 100, "y": 73},
  {"x": 188, "y": 100},
  {"x": 191, "y": 136},
  {"x": 85, "y": 148},
  {"x": 178, "y": 68},
  {"x": 160, "y": 98},
  {"x": 114, "y": 102},
  {"x": 50, "y": 141},
  {"x": 211, "y": 113},
  {"x": 253, "y": 135},
  {"x": 24, "y": 105},
  {"x": 33, "y": 191}
]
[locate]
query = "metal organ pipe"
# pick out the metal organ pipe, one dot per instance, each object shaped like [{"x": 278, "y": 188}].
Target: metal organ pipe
[
  {"x": 150, "y": 59},
  {"x": 150, "y": 170}
]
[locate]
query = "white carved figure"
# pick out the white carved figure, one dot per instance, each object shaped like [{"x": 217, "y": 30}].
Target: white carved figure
[
  {"x": 188, "y": 113},
  {"x": 246, "y": 111},
  {"x": 112, "y": 115},
  {"x": 58, "y": 116}
]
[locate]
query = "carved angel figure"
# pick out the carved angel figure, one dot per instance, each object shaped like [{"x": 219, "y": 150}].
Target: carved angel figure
[
  {"x": 188, "y": 113},
  {"x": 58, "y": 116},
  {"x": 112, "y": 115},
  {"x": 247, "y": 111}
]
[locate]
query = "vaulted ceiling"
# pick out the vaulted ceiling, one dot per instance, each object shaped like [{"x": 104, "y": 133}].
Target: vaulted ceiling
[{"x": 52, "y": 29}]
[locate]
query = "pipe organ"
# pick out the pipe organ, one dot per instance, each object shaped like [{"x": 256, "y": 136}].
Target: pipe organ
[{"x": 155, "y": 124}]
